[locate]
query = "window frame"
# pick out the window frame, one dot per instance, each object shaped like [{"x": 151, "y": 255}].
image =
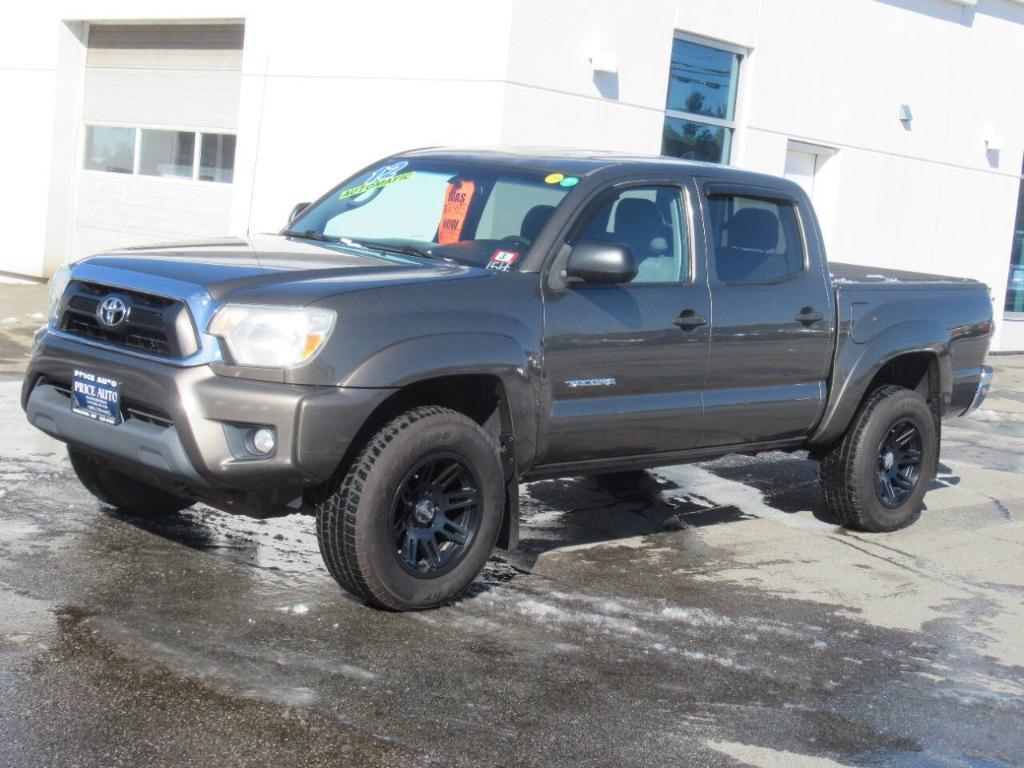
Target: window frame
[
  {"x": 136, "y": 159},
  {"x": 592, "y": 206},
  {"x": 1014, "y": 314},
  {"x": 732, "y": 126},
  {"x": 767, "y": 194}
]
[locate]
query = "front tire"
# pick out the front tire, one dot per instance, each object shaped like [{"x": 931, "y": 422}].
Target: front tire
[
  {"x": 876, "y": 477},
  {"x": 416, "y": 516},
  {"x": 121, "y": 491}
]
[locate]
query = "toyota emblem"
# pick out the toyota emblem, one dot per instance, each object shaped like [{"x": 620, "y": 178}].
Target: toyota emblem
[{"x": 112, "y": 311}]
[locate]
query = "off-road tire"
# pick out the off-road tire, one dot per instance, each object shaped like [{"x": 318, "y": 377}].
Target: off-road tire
[
  {"x": 119, "y": 490},
  {"x": 847, "y": 472},
  {"x": 353, "y": 523}
]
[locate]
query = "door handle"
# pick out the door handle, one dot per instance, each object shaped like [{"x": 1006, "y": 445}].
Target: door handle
[
  {"x": 688, "y": 320},
  {"x": 808, "y": 315}
]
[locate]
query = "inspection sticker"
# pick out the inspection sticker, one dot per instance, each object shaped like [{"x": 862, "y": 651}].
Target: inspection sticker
[{"x": 502, "y": 261}]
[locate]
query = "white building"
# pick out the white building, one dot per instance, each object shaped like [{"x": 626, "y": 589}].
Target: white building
[{"x": 131, "y": 122}]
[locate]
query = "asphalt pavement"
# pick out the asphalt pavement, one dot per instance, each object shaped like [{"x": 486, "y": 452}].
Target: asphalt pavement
[{"x": 701, "y": 615}]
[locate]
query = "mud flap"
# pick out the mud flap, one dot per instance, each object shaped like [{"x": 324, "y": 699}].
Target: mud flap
[{"x": 508, "y": 536}]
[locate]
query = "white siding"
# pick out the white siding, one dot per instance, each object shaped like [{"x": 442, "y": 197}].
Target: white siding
[
  {"x": 173, "y": 75},
  {"x": 184, "y": 76},
  {"x": 115, "y": 210}
]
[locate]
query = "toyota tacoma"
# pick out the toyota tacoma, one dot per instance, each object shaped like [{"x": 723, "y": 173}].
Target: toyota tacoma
[{"x": 445, "y": 324}]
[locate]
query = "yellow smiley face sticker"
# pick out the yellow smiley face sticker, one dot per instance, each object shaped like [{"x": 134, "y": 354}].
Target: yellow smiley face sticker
[{"x": 553, "y": 178}]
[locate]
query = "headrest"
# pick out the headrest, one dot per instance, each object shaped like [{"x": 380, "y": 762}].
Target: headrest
[
  {"x": 534, "y": 221},
  {"x": 636, "y": 212},
  {"x": 756, "y": 229}
]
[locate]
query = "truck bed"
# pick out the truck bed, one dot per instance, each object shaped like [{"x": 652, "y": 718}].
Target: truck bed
[{"x": 847, "y": 274}]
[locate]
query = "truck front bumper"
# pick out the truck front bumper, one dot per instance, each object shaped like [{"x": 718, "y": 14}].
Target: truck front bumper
[{"x": 182, "y": 425}]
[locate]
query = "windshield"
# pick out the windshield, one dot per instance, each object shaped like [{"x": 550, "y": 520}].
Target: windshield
[{"x": 485, "y": 216}]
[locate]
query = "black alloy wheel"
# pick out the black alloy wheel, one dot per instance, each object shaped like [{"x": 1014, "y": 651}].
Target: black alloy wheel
[
  {"x": 435, "y": 515},
  {"x": 899, "y": 463}
]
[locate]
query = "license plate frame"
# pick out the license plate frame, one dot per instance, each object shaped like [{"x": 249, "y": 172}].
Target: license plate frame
[{"x": 96, "y": 396}]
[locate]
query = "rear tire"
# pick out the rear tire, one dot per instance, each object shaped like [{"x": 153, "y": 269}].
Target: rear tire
[
  {"x": 390, "y": 533},
  {"x": 119, "y": 490},
  {"x": 876, "y": 477}
]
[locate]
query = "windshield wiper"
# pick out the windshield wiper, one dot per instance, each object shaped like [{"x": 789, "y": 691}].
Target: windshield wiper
[
  {"x": 405, "y": 250},
  {"x": 311, "y": 234}
]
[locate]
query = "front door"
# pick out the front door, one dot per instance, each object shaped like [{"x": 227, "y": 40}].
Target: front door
[
  {"x": 773, "y": 321},
  {"x": 625, "y": 363}
]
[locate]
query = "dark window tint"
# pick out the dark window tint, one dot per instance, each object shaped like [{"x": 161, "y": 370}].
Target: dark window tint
[
  {"x": 1015, "y": 288},
  {"x": 702, "y": 80},
  {"x": 650, "y": 221},
  {"x": 691, "y": 140},
  {"x": 755, "y": 240}
]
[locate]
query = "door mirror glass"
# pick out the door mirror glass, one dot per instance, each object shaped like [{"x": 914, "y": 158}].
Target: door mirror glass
[
  {"x": 597, "y": 261},
  {"x": 296, "y": 211}
]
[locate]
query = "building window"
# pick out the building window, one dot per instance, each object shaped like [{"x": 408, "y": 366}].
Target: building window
[
  {"x": 109, "y": 149},
  {"x": 1015, "y": 287},
  {"x": 158, "y": 152},
  {"x": 217, "y": 159},
  {"x": 167, "y": 153},
  {"x": 700, "y": 108}
]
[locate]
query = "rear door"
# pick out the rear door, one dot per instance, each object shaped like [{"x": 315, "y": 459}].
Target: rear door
[
  {"x": 625, "y": 363},
  {"x": 773, "y": 319}
]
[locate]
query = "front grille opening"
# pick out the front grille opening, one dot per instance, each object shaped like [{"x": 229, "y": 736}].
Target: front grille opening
[
  {"x": 153, "y": 324},
  {"x": 153, "y": 342},
  {"x": 60, "y": 386},
  {"x": 138, "y": 297},
  {"x": 147, "y": 415}
]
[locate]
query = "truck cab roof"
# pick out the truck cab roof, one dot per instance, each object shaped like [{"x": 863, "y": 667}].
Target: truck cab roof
[{"x": 584, "y": 162}]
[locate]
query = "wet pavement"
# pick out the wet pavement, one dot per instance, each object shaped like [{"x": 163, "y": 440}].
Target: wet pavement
[{"x": 702, "y": 615}]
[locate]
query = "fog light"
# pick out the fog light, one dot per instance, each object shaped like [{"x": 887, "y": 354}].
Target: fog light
[{"x": 264, "y": 441}]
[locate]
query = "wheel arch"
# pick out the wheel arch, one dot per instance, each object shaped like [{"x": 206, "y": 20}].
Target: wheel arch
[
  {"x": 487, "y": 377},
  {"x": 438, "y": 364},
  {"x": 915, "y": 355}
]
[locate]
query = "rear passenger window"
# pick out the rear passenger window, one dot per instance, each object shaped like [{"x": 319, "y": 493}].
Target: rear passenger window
[{"x": 755, "y": 240}]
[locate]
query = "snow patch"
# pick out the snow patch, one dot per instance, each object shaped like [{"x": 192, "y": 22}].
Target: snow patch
[
  {"x": 695, "y": 480},
  {"x": 983, "y": 414},
  {"x": 547, "y": 519},
  {"x": 545, "y": 612},
  {"x": 299, "y": 609},
  {"x": 698, "y": 617}
]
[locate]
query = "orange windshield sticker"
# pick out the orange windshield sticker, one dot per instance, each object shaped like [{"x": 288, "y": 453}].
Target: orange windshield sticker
[{"x": 457, "y": 198}]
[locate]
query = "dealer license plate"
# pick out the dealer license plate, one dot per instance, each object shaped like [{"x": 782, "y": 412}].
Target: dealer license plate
[{"x": 96, "y": 396}]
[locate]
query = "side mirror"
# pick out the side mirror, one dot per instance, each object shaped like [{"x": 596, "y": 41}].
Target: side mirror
[
  {"x": 298, "y": 209},
  {"x": 596, "y": 261}
]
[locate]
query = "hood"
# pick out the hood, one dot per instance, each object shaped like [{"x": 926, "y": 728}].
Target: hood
[{"x": 265, "y": 268}]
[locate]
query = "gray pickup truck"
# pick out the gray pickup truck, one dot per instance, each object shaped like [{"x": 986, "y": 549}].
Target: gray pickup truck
[{"x": 445, "y": 324}]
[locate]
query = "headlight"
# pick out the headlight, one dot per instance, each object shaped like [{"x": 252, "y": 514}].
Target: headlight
[
  {"x": 58, "y": 283},
  {"x": 272, "y": 337}
]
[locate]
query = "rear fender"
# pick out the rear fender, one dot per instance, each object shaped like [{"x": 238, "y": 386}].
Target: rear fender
[{"x": 856, "y": 366}]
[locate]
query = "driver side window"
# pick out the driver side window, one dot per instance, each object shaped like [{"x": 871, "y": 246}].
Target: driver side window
[{"x": 650, "y": 221}]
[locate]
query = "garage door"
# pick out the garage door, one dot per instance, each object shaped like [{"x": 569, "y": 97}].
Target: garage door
[{"x": 161, "y": 113}]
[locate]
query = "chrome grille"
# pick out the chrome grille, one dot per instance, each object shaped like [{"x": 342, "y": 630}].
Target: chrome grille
[{"x": 155, "y": 325}]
